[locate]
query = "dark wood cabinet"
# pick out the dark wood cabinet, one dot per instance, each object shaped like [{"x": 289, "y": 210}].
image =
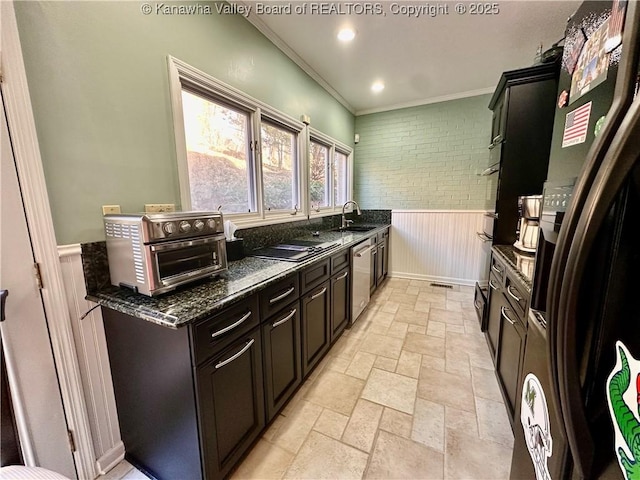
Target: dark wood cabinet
[
  {"x": 340, "y": 302},
  {"x": 512, "y": 336},
  {"x": 493, "y": 316},
  {"x": 282, "y": 357},
  {"x": 523, "y": 106},
  {"x": 382, "y": 265},
  {"x": 231, "y": 403},
  {"x": 316, "y": 336}
]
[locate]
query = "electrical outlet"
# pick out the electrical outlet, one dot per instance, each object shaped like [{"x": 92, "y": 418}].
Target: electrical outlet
[
  {"x": 107, "y": 209},
  {"x": 159, "y": 207}
]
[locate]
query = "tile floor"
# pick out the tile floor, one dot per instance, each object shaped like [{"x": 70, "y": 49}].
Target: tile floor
[{"x": 409, "y": 392}]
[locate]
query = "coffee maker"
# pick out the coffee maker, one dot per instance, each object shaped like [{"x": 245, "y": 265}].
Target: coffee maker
[{"x": 529, "y": 223}]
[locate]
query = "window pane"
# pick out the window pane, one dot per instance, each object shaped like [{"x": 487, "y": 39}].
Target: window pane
[
  {"x": 279, "y": 176},
  {"x": 218, "y": 155},
  {"x": 339, "y": 178},
  {"x": 319, "y": 175}
]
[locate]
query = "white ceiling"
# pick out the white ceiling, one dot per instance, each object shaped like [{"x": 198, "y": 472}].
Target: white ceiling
[{"x": 420, "y": 60}]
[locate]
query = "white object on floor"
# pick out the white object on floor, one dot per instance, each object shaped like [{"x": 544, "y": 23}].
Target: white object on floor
[{"x": 20, "y": 472}]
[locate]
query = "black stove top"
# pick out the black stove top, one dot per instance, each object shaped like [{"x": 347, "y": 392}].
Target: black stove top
[{"x": 294, "y": 250}]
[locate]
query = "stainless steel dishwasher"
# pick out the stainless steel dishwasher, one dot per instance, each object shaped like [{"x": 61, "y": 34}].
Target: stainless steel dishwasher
[{"x": 361, "y": 264}]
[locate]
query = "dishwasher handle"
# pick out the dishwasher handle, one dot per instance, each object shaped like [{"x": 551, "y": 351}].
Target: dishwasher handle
[{"x": 362, "y": 251}]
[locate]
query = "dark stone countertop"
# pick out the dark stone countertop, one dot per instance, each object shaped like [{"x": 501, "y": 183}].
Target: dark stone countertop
[
  {"x": 520, "y": 263},
  {"x": 200, "y": 300}
]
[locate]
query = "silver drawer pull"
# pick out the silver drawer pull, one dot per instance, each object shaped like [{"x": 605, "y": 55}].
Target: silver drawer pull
[
  {"x": 492, "y": 285},
  {"x": 483, "y": 237},
  {"x": 515, "y": 297},
  {"x": 231, "y": 327},
  {"x": 477, "y": 304},
  {"x": 343, "y": 275},
  {"x": 232, "y": 358},
  {"x": 496, "y": 269},
  {"x": 319, "y": 294},
  {"x": 285, "y": 319},
  {"x": 504, "y": 314},
  {"x": 281, "y": 296}
]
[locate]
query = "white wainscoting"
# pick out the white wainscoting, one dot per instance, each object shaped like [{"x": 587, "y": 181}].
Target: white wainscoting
[
  {"x": 93, "y": 358},
  {"x": 438, "y": 246}
]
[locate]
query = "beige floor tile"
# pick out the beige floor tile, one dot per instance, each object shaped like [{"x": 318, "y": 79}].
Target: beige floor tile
[
  {"x": 409, "y": 364},
  {"x": 408, "y": 315},
  {"x": 395, "y": 457},
  {"x": 396, "y": 422},
  {"x": 331, "y": 423},
  {"x": 362, "y": 426},
  {"x": 346, "y": 346},
  {"x": 485, "y": 384},
  {"x": 382, "y": 345},
  {"x": 422, "y": 330},
  {"x": 433, "y": 362},
  {"x": 422, "y": 307},
  {"x": 266, "y": 461},
  {"x": 474, "y": 346},
  {"x": 412, "y": 290},
  {"x": 437, "y": 329},
  {"x": 296, "y": 399},
  {"x": 461, "y": 421},
  {"x": 424, "y": 344},
  {"x": 382, "y": 318},
  {"x": 457, "y": 362},
  {"x": 445, "y": 316},
  {"x": 428, "y": 424},
  {"x": 391, "y": 390},
  {"x": 453, "y": 305},
  {"x": 418, "y": 283},
  {"x": 456, "y": 328},
  {"x": 322, "y": 457},
  {"x": 446, "y": 388},
  {"x": 337, "y": 364},
  {"x": 493, "y": 422},
  {"x": 466, "y": 458},
  {"x": 404, "y": 298},
  {"x": 384, "y": 363},
  {"x": 361, "y": 365},
  {"x": 432, "y": 296},
  {"x": 296, "y": 427},
  {"x": 336, "y": 391},
  {"x": 390, "y": 307},
  {"x": 397, "y": 283},
  {"x": 463, "y": 296},
  {"x": 398, "y": 330}
]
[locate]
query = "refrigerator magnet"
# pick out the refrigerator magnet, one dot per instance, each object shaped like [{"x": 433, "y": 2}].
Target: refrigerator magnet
[
  {"x": 534, "y": 416},
  {"x": 598, "y": 125},
  {"x": 572, "y": 49},
  {"x": 593, "y": 64},
  {"x": 563, "y": 99},
  {"x": 575, "y": 125},
  {"x": 623, "y": 398},
  {"x": 616, "y": 24}
]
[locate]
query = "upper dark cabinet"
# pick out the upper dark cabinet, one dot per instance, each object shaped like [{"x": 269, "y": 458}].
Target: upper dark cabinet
[{"x": 523, "y": 108}]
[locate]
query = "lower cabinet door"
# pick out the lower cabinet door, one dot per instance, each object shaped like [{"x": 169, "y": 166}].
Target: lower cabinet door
[
  {"x": 316, "y": 337},
  {"x": 512, "y": 337},
  {"x": 496, "y": 300},
  {"x": 282, "y": 357},
  {"x": 231, "y": 403},
  {"x": 340, "y": 307}
]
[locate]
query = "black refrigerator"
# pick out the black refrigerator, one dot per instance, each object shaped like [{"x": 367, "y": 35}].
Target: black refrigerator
[{"x": 578, "y": 413}]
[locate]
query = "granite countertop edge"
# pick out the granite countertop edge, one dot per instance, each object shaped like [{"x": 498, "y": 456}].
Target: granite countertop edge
[
  {"x": 193, "y": 303},
  {"x": 502, "y": 250}
]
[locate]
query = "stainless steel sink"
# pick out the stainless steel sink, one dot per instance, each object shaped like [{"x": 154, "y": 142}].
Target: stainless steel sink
[{"x": 359, "y": 228}]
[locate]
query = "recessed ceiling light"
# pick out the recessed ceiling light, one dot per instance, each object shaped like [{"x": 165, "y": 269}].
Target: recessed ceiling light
[
  {"x": 377, "y": 87},
  {"x": 346, "y": 35}
]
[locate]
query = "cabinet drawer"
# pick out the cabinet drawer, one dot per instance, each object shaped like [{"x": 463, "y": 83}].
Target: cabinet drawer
[
  {"x": 498, "y": 269},
  {"x": 314, "y": 275},
  {"x": 218, "y": 332},
  {"x": 340, "y": 260},
  {"x": 276, "y": 296},
  {"x": 479, "y": 303},
  {"x": 517, "y": 296}
]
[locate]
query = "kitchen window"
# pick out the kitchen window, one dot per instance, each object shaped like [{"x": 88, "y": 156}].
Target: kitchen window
[{"x": 254, "y": 163}]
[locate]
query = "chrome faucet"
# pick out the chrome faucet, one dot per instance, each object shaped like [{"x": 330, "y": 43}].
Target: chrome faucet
[{"x": 345, "y": 222}]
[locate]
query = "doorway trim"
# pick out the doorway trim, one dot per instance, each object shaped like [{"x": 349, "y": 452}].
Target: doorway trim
[{"x": 38, "y": 212}]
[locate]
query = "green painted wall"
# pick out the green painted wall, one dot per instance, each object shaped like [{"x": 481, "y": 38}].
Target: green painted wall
[
  {"x": 98, "y": 80},
  {"x": 425, "y": 157}
]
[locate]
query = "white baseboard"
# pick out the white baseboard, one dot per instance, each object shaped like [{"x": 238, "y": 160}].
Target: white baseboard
[{"x": 110, "y": 459}]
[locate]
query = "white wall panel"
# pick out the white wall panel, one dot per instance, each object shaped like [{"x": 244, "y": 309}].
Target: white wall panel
[
  {"x": 93, "y": 358},
  {"x": 438, "y": 245}
]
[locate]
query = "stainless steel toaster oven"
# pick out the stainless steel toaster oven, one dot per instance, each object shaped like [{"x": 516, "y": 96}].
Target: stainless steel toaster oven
[{"x": 156, "y": 252}]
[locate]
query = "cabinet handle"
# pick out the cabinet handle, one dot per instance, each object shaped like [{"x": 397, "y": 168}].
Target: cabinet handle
[
  {"x": 319, "y": 294},
  {"x": 343, "y": 275},
  {"x": 233, "y": 357},
  {"x": 285, "y": 319},
  {"x": 504, "y": 314},
  {"x": 496, "y": 269},
  {"x": 484, "y": 237},
  {"x": 492, "y": 285},
  {"x": 232, "y": 326},
  {"x": 281, "y": 296},
  {"x": 477, "y": 304},
  {"x": 374, "y": 252},
  {"x": 513, "y": 295}
]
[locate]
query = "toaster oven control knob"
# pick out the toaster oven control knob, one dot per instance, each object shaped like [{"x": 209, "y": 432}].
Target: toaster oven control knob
[
  {"x": 169, "y": 228},
  {"x": 185, "y": 227},
  {"x": 198, "y": 225},
  {"x": 211, "y": 224}
]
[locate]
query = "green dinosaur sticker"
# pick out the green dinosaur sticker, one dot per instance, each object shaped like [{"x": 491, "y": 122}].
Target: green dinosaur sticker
[{"x": 624, "y": 408}]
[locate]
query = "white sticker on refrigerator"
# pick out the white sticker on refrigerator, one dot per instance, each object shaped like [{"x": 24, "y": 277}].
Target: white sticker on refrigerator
[
  {"x": 534, "y": 416},
  {"x": 623, "y": 397}
]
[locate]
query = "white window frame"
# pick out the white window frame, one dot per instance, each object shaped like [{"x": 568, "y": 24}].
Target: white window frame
[{"x": 182, "y": 73}]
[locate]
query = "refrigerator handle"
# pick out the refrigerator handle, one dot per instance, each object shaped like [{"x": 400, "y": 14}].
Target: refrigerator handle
[
  {"x": 617, "y": 162},
  {"x": 608, "y": 162}
]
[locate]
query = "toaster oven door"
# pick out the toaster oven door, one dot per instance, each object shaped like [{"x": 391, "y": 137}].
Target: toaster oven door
[{"x": 183, "y": 261}]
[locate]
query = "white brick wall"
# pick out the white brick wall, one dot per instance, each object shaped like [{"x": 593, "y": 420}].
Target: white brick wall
[{"x": 425, "y": 157}]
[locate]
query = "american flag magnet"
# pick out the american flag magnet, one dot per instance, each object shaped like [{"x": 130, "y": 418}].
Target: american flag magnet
[{"x": 575, "y": 126}]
